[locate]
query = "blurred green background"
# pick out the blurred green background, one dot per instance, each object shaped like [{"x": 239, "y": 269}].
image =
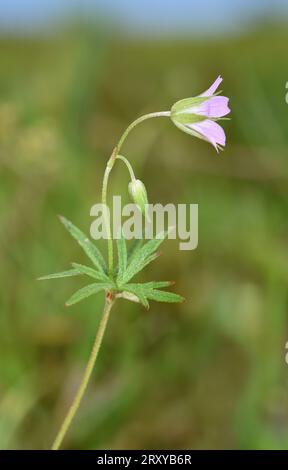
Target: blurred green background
[{"x": 209, "y": 373}]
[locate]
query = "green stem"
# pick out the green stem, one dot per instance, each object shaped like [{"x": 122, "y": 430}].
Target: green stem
[
  {"x": 138, "y": 121},
  {"x": 107, "y": 172},
  {"x": 129, "y": 166},
  {"x": 86, "y": 377}
]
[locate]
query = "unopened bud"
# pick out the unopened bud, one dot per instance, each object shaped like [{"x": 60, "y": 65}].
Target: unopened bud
[{"x": 138, "y": 193}]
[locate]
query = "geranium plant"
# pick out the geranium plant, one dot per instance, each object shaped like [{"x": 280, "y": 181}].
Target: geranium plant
[{"x": 197, "y": 116}]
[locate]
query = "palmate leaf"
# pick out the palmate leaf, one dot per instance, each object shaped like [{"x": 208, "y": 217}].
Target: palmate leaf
[
  {"x": 150, "y": 291},
  {"x": 71, "y": 272},
  {"x": 78, "y": 269},
  {"x": 143, "y": 256},
  {"x": 88, "y": 290},
  {"x": 90, "y": 249},
  {"x": 134, "y": 248},
  {"x": 82, "y": 269},
  {"x": 128, "y": 265}
]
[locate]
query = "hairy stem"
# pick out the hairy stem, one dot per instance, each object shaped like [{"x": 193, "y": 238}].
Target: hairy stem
[{"x": 86, "y": 377}]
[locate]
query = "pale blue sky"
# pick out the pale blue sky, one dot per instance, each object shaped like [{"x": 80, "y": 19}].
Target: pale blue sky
[{"x": 144, "y": 15}]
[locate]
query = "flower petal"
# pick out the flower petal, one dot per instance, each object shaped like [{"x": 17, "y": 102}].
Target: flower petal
[
  {"x": 210, "y": 131},
  {"x": 213, "y": 87},
  {"x": 215, "y": 107}
]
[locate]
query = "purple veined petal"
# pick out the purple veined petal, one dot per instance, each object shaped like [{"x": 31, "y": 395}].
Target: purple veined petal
[
  {"x": 215, "y": 107},
  {"x": 213, "y": 87},
  {"x": 210, "y": 131}
]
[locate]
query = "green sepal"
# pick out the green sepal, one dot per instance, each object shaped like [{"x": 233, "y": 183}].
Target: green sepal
[
  {"x": 188, "y": 130},
  {"x": 182, "y": 106},
  {"x": 187, "y": 118}
]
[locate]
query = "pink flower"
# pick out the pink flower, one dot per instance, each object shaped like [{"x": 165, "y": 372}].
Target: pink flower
[{"x": 197, "y": 116}]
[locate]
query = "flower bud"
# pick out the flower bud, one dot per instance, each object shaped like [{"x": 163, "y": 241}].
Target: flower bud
[{"x": 138, "y": 193}]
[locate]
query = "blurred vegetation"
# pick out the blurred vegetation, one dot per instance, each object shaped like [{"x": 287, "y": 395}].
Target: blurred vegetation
[{"x": 210, "y": 373}]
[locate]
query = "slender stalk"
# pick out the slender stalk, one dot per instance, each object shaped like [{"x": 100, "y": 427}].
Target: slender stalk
[
  {"x": 129, "y": 166},
  {"x": 138, "y": 121},
  {"x": 107, "y": 172},
  {"x": 86, "y": 377}
]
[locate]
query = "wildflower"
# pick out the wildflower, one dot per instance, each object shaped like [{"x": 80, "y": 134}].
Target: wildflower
[{"x": 197, "y": 116}]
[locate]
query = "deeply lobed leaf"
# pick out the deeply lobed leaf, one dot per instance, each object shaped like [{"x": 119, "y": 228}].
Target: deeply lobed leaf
[
  {"x": 69, "y": 273},
  {"x": 128, "y": 265},
  {"x": 150, "y": 291},
  {"x": 134, "y": 248},
  {"x": 88, "y": 290},
  {"x": 163, "y": 296},
  {"x": 82, "y": 269},
  {"x": 90, "y": 249},
  {"x": 143, "y": 256}
]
